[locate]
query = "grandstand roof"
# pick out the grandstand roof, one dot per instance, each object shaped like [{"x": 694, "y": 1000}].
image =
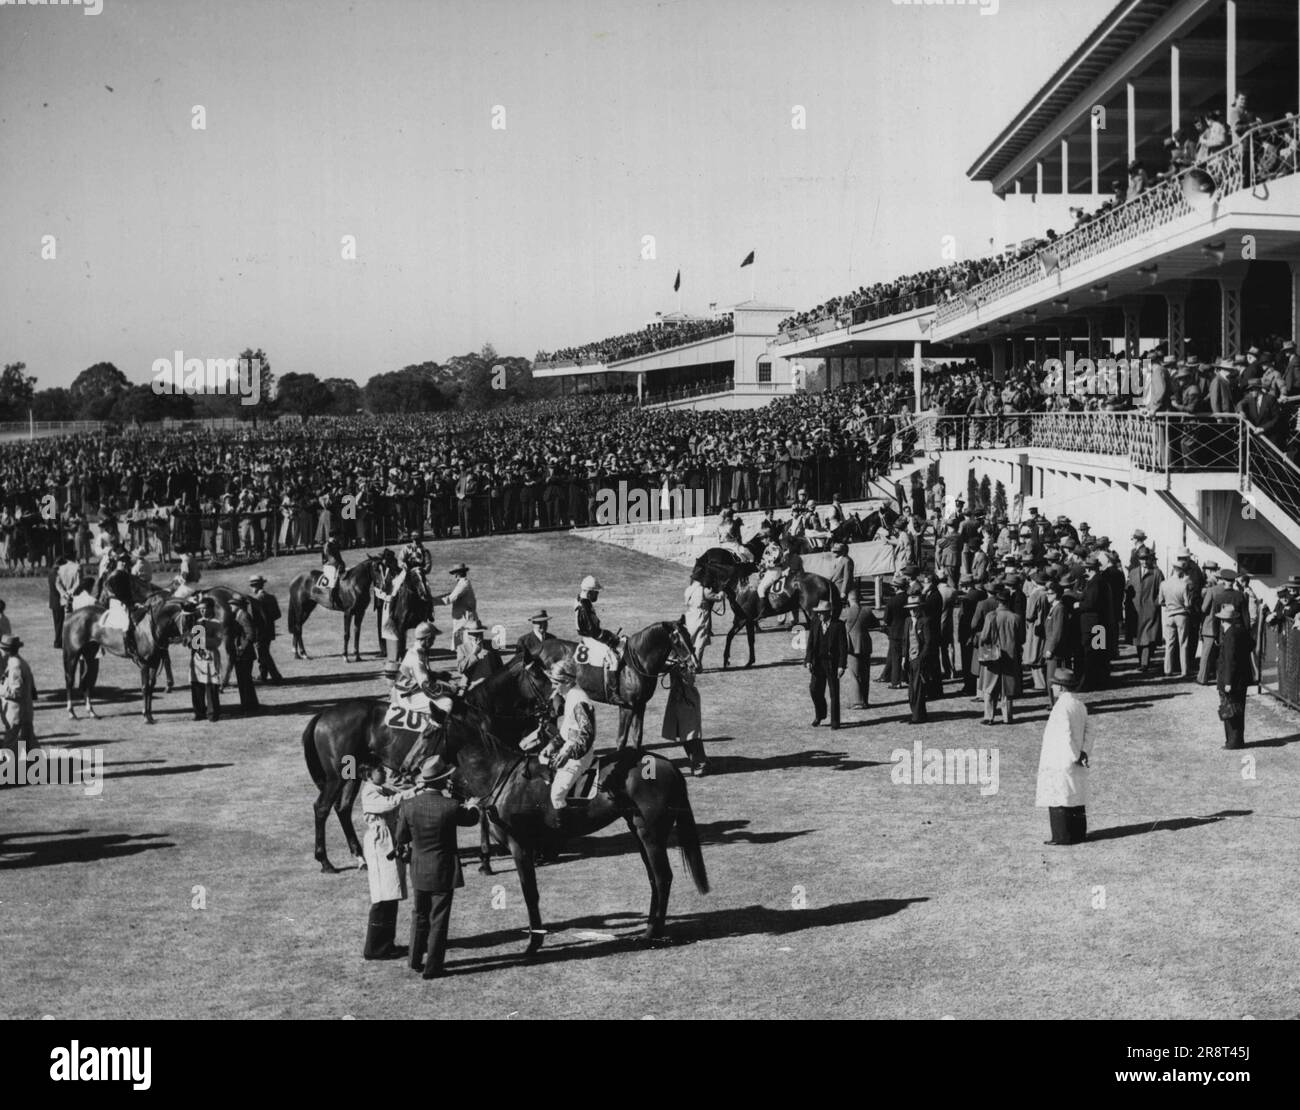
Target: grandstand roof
[
  {"x": 762, "y": 306},
  {"x": 1127, "y": 38}
]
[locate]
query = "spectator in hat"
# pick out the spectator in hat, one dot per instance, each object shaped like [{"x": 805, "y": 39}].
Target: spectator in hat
[
  {"x": 1059, "y": 636},
  {"x": 895, "y": 621},
  {"x": 530, "y": 643},
  {"x": 464, "y": 605},
  {"x": 699, "y": 602},
  {"x": 1175, "y": 607},
  {"x": 243, "y": 653},
  {"x": 1143, "y": 593},
  {"x": 1063, "y": 763},
  {"x": 426, "y": 833},
  {"x": 971, "y": 596},
  {"x": 922, "y": 651},
  {"x": 17, "y": 696},
  {"x": 858, "y": 623},
  {"x": 826, "y": 657},
  {"x": 1211, "y": 601},
  {"x": 205, "y": 662},
  {"x": 1234, "y": 674},
  {"x": 1036, "y": 608},
  {"x": 475, "y": 658},
  {"x": 1003, "y": 632},
  {"x": 841, "y": 573},
  {"x": 1094, "y": 608},
  {"x": 385, "y": 872},
  {"x": 270, "y": 613}
]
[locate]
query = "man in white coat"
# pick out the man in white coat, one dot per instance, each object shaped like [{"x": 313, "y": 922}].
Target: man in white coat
[
  {"x": 386, "y": 873},
  {"x": 464, "y": 605},
  {"x": 1063, "y": 764}
]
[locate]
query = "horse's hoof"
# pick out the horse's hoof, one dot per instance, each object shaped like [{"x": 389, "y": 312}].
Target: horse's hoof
[
  {"x": 749, "y": 664},
  {"x": 535, "y": 941},
  {"x": 169, "y": 689},
  {"x": 94, "y": 716},
  {"x": 361, "y": 865},
  {"x": 328, "y": 868},
  {"x": 150, "y": 721},
  {"x": 485, "y": 868}
]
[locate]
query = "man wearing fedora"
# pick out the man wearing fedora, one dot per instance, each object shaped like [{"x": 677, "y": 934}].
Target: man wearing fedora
[
  {"x": 1175, "y": 607},
  {"x": 921, "y": 651},
  {"x": 1063, "y": 763},
  {"x": 1234, "y": 674},
  {"x": 267, "y": 670},
  {"x": 475, "y": 658},
  {"x": 17, "y": 696},
  {"x": 530, "y": 643},
  {"x": 426, "y": 834},
  {"x": 464, "y": 605},
  {"x": 826, "y": 655}
]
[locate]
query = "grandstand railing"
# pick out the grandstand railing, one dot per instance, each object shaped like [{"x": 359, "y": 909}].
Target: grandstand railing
[
  {"x": 1271, "y": 471},
  {"x": 1263, "y": 153}
]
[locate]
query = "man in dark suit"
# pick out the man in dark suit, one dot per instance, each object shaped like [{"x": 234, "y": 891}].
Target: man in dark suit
[
  {"x": 922, "y": 652},
  {"x": 1211, "y": 601},
  {"x": 932, "y": 607},
  {"x": 476, "y": 658},
  {"x": 895, "y": 623},
  {"x": 826, "y": 656},
  {"x": 427, "y": 822},
  {"x": 1234, "y": 673},
  {"x": 968, "y": 601},
  {"x": 530, "y": 643},
  {"x": 1094, "y": 617}
]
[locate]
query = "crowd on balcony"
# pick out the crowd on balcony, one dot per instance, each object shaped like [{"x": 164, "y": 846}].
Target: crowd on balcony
[{"x": 659, "y": 337}]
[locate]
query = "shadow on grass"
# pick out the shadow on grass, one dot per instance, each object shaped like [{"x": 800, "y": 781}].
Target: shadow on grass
[
  {"x": 44, "y": 853},
  {"x": 1276, "y": 742},
  {"x": 1173, "y": 824},
  {"x": 359, "y": 673},
  {"x": 745, "y": 921},
  {"x": 180, "y": 769},
  {"x": 819, "y": 759}
]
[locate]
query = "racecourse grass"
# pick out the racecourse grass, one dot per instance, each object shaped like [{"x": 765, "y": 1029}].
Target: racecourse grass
[{"x": 835, "y": 891}]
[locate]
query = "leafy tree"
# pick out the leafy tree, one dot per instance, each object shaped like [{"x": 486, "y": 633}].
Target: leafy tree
[
  {"x": 972, "y": 491},
  {"x": 95, "y": 390},
  {"x": 411, "y": 389},
  {"x": 345, "y": 396},
  {"x": 986, "y": 500},
  {"x": 1000, "y": 501},
  {"x": 53, "y": 404},
  {"x": 141, "y": 403},
  {"x": 302, "y": 393},
  {"x": 16, "y": 391}
]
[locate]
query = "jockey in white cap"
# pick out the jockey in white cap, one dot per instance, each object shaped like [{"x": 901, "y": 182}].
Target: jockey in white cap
[
  {"x": 588, "y": 623},
  {"x": 573, "y": 750}
]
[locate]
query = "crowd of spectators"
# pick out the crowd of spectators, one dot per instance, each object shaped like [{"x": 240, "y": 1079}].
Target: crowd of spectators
[{"x": 659, "y": 337}]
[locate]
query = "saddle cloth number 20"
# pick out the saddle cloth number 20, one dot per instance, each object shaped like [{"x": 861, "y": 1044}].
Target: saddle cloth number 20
[{"x": 401, "y": 717}]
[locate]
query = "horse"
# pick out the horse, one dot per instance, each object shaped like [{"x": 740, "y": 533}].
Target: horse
[
  {"x": 649, "y": 655},
  {"x": 337, "y": 740},
  {"x": 410, "y": 605},
  {"x": 161, "y": 621},
  {"x": 354, "y": 599},
  {"x": 644, "y": 789},
  {"x": 726, "y": 572},
  {"x": 864, "y": 529}
]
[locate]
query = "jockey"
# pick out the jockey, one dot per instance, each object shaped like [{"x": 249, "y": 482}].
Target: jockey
[
  {"x": 589, "y": 624},
  {"x": 417, "y": 561},
  {"x": 332, "y": 556},
  {"x": 121, "y": 602},
  {"x": 187, "y": 574},
  {"x": 572, "y": 751},
  {"x": 773, "y": 569},
  {"x": 414, "y": 677}
]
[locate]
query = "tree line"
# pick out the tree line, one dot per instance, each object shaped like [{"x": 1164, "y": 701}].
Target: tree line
[{"x": 473, "y": 382}]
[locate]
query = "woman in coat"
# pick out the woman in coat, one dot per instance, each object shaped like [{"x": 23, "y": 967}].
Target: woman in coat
[
  {"x": 1235, "y": 675},
  {"x": 386, "y": 873}
]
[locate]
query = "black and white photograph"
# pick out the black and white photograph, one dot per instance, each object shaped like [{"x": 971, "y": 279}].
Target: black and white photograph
[{"x": 631, "y": 510}]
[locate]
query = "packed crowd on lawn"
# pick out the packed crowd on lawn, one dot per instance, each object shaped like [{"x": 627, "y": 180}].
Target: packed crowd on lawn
[
  {"x": 284, "y": 487},
  {"x": 661, "y": 337},
  {"x": 280, "y": 487},
  {"x": 1274, "y": 153}
]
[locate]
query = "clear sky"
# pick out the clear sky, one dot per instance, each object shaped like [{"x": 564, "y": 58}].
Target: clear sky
[{"x": 374, "y": 119}]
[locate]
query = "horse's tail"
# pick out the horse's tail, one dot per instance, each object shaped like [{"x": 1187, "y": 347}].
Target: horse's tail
[
  {"x": 314, "y": 766},
  {"x": 688, "y": 837}
]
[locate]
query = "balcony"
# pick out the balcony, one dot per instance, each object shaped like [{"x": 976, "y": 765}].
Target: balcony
[{"x": 1265, "y": 153}]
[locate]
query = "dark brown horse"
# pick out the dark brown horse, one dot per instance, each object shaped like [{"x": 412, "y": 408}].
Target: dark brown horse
[
  {"x": 160, "y": 621},
  {"x": 338, "y": 740},
  {"x": 650, "y": 654},
  {"x": 725, "y": 572},
  {"x": 643, "y": 789},
  {"x": 353, "y": 596}
]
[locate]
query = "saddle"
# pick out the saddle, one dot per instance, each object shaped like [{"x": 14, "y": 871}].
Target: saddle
[{"x": 117, "y": 617}]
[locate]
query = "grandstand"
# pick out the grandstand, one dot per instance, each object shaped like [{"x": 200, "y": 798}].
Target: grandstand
[{"x": 721, "y": 361}]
